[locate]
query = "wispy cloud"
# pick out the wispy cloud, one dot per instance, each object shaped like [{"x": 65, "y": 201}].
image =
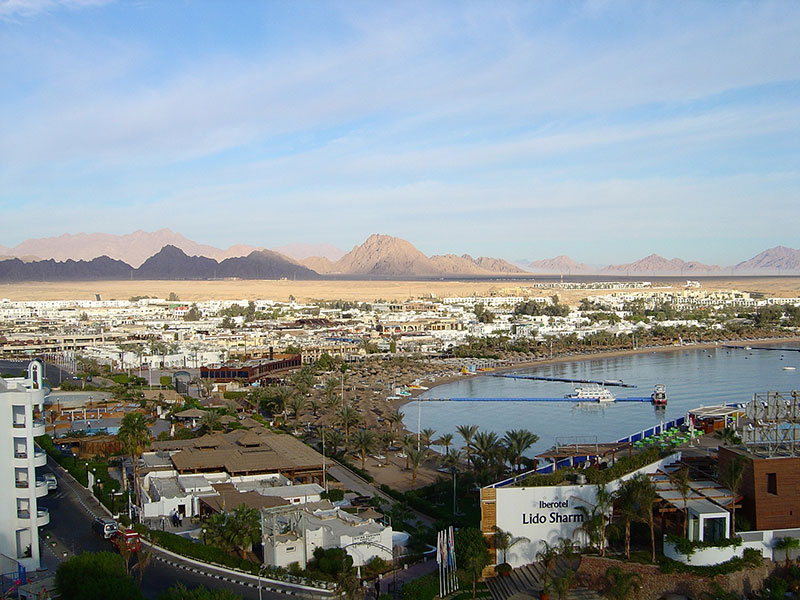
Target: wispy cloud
[{"x": 28, "y": 8}]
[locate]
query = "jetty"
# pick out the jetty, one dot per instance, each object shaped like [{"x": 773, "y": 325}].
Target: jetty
[
  {"x": 773, "y": 348},
  {"x": 604, "y": 382},
  {"x": 555, "y": 399}
]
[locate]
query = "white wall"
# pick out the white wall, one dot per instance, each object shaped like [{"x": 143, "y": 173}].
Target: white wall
[{"x": 549, "y": 513}]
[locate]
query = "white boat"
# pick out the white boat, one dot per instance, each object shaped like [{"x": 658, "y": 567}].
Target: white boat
[
  {"x": 789, "y": 368},
  {"x": 592, "y": 392}
]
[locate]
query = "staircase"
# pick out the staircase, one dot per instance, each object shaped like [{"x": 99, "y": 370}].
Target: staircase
[{"x": 527, "y": 582}]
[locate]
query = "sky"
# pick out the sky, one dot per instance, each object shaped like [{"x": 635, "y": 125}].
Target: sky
[{"x": 602, "y": 130}]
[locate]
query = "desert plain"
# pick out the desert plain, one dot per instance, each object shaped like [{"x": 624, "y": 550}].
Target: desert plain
[{"x": 357, "y": 290}]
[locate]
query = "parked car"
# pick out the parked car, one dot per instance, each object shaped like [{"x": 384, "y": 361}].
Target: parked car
[
  {"x": 104, "y": 526},
  {"x": 51, "y": 481}
]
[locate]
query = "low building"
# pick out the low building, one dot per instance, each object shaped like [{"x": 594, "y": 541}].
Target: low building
[
  {"x": 770, "y": 488},
  {"x": 292, "y": 534},
  {"x": 178, "y": 474},
  {"x": 278, "y": 365}
]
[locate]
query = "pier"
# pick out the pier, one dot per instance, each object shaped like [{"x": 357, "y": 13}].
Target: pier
[
  {"x": 556, "y": 399},
  {"x": 773, "y": 348},
  {"x": 605, "y": 382}
]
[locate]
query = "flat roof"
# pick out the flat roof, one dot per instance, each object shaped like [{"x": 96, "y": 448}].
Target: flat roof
[{"x": 573, "y": 450}]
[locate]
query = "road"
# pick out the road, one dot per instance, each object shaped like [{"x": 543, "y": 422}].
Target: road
[{"x": 72, "y": 510}]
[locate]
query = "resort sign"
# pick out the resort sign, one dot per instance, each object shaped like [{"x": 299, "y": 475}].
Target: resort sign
[{"x": 560, "y": 512}]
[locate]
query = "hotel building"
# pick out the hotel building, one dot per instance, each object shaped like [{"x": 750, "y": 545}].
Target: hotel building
[{"x": 21, "y": 399}]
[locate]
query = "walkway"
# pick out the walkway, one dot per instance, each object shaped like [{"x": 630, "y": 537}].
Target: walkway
[{"x": 527, "y": 582}]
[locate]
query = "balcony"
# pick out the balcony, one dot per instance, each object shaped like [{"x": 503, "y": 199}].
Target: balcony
[
  {"x": 38, "y": 427},
  {"x": 42, "y": 517},
  {"x": 20, "y": 459},
  {"x": 19, "y": 424},
  {"x": 39, "y": 458},
  {"x": 41, "y": 488},
  {"x": 21, "y": 484}
]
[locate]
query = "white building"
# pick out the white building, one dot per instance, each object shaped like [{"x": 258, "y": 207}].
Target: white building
[
  {"x": 20, "y": 517},
  {"x": 291, "y": 534}
]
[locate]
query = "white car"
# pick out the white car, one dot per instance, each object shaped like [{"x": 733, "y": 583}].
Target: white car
[{"x": 51, "y": 481}]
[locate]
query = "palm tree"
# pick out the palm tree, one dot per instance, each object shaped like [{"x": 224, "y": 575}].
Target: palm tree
[
  {"x": 347, "y": 417},
  {"x": 731, "y": 478},
  {"x": 486, "y": 445},
  {"x": 303, "y": 379},
  {"x": 283, "y": 395},
  {"x": 595, "y": 517},
  {"x": 445, "y": 440},
  {"x": 210, "y": 420},
  {"x": 134, "y": 436},
  {"x": 395, "y": 419},
  {"x": 787, "y": 544},
  {"x": 415, "y": 457},
  {"x": 314, "y": 404},
  {"x": 547, "y": 555},
  {"x": 680, "y": 479},
  {"x": 426, "y": 436},
  {"x": 255, "y": 396},
  {"x": 386, "y": 439},
  {"x": 504, "y": 541},
  {"x": 236, "y": 530},
  {"x": 621, "y": 584},
  {"x": 467, "y": 432},
  {"x": 296, "y": 403},
  {"x": 334, "y": 437},
  {"x": 627, "y": 506},
  {"x": 409, "y": 444},
  {"x": 329, "y": 389},
  {"x": 362, "y": 442},
  {"x": 246, "y": 528},
  {"x": 646, "y": 491},
  {"x": 728, "y": 436},
  {"x": 517, "y": 441}
]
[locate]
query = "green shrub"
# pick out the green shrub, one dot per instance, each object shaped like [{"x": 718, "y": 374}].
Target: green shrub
[
  {"x": 422, "y": 588},
  {"x": 334, "y": 495},
  {"x": 687, "y": 547}
]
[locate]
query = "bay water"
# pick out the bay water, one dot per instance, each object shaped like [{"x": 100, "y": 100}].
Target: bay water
[{"x": 694, "y": 377}]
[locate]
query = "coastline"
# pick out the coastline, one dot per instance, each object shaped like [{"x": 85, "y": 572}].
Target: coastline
[{"x": 590, "y": 355}]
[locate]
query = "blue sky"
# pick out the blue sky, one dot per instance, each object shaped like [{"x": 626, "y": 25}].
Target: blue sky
[{"x": 602, "y": 130}]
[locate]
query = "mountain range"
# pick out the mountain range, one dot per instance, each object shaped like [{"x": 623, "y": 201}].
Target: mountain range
[{"x": 165, "y": 254}]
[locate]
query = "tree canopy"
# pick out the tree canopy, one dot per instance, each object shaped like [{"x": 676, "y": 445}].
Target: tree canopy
[{"x": 96, "y": 576}]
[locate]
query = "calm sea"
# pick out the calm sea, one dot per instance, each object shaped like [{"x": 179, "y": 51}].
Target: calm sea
[{"x": 693, "y": 378}]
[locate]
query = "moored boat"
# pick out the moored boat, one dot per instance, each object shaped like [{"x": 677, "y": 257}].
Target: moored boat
[
  {"x": 659, "y": 395},
  {"x": 592, "y": 392}
]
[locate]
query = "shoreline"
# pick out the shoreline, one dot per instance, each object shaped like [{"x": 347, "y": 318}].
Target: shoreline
[{"x": 599, "y": 354}]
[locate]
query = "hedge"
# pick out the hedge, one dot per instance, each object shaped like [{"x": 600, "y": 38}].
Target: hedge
[
  {"x": 750, "y": 558},
  {"x": 687, "y": 547}
]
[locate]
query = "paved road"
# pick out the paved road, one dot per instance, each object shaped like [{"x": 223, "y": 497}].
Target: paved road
[
  {"x": 361, "y": 486},
  {"x": 72, "y": 510}
]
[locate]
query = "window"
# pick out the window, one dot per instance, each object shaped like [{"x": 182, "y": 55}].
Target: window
[{"x": 772, "y": 483}]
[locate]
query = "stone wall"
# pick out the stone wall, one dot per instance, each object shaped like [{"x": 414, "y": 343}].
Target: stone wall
[{"x": 656, "y": 584}]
